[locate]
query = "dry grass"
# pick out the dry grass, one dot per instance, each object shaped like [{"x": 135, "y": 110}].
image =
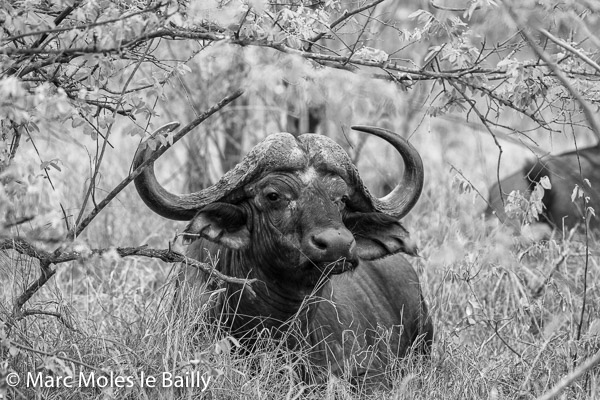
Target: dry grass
[{"x": 506, "y": 313}]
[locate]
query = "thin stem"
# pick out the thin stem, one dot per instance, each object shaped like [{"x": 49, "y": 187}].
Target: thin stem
[
  {"x": 86, "y": 221},
  {"x": 92, "y": 185}
]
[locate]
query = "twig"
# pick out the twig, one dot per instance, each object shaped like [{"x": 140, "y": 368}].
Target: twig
[
  {"x": 508, "y": 346},
  {"x": 64, "y": 14},
  {"x": 587, "y": 110},
  {"x": 538, "y": 292},
  {"x": 47, "y": 259},
  {"x": 458, "y": 171},
  {"x": 570, "y": 378},
  {"x": 339, "y": 62},
  {"x": 505, "y": 102},
  {"x": 47, "y": 354},
  {"x": 360, "y": 34},
  {"x": 14, "y": 145},
  {"x": 483, "y": 120},
  {"x": 345, "y": 15},
  {"x": 569, "y": 48},
  {"x": 57, "y": 315},
  {"x": 18, "y": 221},
  {"x": 83, "y": 27},
  {"x": 48, "y": 177},
  {"x": 92, "y": 185},
  {"x": 86, "y": 221}
]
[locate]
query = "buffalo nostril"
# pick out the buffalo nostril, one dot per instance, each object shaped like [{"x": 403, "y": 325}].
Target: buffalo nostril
[
  {"x": 330, "y": 245},
  {"x": 320, "y": 242}
]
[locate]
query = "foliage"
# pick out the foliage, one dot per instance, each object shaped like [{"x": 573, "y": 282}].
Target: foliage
[{"x": 85, "y": 80}]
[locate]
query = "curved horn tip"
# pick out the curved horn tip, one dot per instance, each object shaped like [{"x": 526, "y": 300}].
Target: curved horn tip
[
  {"x": 371, "y": 129},
  {"x": 407, "y": 191}
]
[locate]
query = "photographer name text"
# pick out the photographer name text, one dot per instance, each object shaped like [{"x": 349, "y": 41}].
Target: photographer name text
[{"x": 97, "y": 380}]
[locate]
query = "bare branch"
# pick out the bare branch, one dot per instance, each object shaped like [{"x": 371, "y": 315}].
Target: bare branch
[
  {"x": 334, "y": 61},
  {"x": 587, "y": 110},
  {"x": 85, "y": 27},
  {"x": 57, "y": 315},
  {"x": 48, "y": 259},
  {"x": 64, "y": 14},
  {"x": 76, "y": 231},
  {"x": 570, "y": 49},
  {"x": 345, "y": 16},
  {"x": 92, "y": 184},
  {"x": 16, "y": 139},
  {"x": 48, "y": 354}
]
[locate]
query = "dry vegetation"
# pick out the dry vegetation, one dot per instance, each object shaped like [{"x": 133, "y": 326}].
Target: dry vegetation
[
  {"x": 507, "y": 312},
  {"x": 513, "y": 318}
]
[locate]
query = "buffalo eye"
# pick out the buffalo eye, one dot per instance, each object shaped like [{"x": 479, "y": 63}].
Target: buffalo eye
[
  {"x": 272, "y": 196},
  {"x": 341, "y": 203}
]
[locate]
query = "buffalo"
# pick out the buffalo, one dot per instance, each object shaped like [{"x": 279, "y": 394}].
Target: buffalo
[
  {"x": 560, "y": 208},
  {"x": 295, "y": 215}
]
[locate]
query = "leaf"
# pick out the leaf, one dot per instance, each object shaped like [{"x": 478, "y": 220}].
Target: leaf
[
  {"x": 433, "y": 51},
  {"x": 55, "y": 166},
  {"x": 90, "y": 131},
  {"x": 371, "y": 54},
  {"x": 136, "y": 131},
  {"x": 225, "y": 345},
  {"x": 162, "y": 140},
  {"x": 577, "y": 193},
  {"x": 152, "y": 144},
  {"x": 469, "y": 310},
  {"x": 183, "y": 69},
  {"x": 222, "y": 347},
  {"x": 545, "y": 182},
  {"x": 77, "y": 122}
]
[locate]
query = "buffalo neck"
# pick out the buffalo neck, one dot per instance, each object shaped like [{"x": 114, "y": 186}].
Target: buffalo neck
[{"x": 274, "y": 301}]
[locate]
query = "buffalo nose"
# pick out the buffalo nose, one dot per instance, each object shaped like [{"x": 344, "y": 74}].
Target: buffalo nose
[{"x": 330, "y": 245}]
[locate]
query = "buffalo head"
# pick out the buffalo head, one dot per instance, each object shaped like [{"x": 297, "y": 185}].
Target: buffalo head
[{"x": 296, "y": 207}]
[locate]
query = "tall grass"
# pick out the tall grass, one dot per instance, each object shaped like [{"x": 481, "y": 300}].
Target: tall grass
[{"x": 506, "y": 311}]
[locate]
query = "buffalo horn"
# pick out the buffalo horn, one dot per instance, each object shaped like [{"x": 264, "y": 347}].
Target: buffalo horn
[
  {"x": 266, "y": 156},
  {"x": 404, "y": 196}
]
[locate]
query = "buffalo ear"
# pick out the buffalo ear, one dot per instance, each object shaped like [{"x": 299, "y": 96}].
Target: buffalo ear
[
  {"x": 220, "y": 223},
  {"x": 378, "y": 235}
]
